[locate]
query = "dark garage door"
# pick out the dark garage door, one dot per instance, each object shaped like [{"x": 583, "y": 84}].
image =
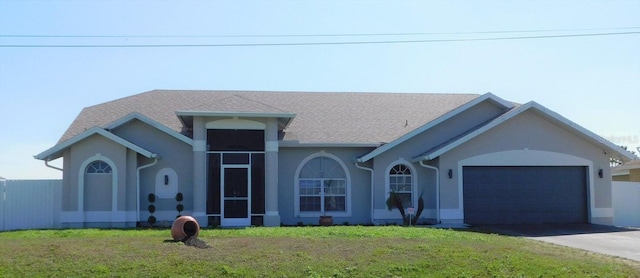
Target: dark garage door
[{"x": 524, "y": 195}]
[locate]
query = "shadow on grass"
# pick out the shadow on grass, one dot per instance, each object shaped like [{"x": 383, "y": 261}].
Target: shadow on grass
[
  {"x": 542, "y": 230},
  {"x": 190, "y": 241}
]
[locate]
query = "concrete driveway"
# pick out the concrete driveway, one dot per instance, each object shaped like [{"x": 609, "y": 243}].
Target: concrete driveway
[{"x": 614, "y": 241}]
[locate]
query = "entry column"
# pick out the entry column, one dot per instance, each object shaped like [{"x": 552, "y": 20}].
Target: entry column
[
  {"x": 199, "y": 171},
  {"x": 272, "y": 216}
]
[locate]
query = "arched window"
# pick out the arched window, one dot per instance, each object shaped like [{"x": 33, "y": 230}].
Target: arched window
[
  {"x": 322, "y": 185},
  {"x": 98, "y": 167},
  {"x": 401, "y": 182}
]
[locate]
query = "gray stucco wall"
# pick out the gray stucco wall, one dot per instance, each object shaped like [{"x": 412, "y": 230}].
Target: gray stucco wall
[
  {"x": 173, "y": 153},
  {"x": 527, "y": 131},
  {"x": 290, "y": 159},
  {"x": 78, "y": 154},
  {"x": 420, "y": 143}
]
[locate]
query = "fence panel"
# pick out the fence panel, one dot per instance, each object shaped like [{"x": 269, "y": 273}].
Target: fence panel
[
  {"x": 31, "y": 204},
  {"x": 626, "y": 203}
]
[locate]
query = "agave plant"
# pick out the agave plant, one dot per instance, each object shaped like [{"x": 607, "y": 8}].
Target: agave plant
[{"x": 394, "y": 201}]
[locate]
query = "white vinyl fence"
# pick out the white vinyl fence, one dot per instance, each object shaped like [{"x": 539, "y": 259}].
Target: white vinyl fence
[
  {"x": 626, "y": 203},
  {"x": 30, "y": 204}
]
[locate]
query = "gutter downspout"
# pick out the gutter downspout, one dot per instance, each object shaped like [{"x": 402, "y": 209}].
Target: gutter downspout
[
  {"x": 372, "y": 189},
  {"x": 437, "y": 188},
  {"x": 138, "y": 185},
  {"x": 46, "y": 163}
]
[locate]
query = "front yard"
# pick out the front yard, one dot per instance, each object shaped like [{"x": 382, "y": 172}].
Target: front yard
[{"x": 296, "y": 252}]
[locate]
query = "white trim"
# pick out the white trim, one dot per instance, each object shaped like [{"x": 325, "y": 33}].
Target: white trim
[
  {"x": 532, "y": 158},
  {"x": 488, "y": 96},
  {"x": 271, "y": 146},
  {"x": 526, "y": 107},
  {"x": 199, "y": 145},
  {"x": 56, "y": 151},
  {"x": 601, "y": 212},
  {"x": 149, "y": 121},
  {"x": 414, "y": 179},
  {"x": 236, "y": 124},
  {"x": 114, "y": 181},
  {"x": 296, "y": 187}
]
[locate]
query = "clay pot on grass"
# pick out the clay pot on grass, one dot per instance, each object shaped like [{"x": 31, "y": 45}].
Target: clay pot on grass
[{"x": 185, "y": 227}]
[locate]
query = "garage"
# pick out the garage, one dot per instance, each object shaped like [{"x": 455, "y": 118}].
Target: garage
[{"x": 525, "y": 194}]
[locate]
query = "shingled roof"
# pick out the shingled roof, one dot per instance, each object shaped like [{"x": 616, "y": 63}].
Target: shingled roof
[{"x": 320, "y": 117}]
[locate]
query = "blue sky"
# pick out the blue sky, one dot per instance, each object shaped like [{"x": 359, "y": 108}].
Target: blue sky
[{"x": 592, "y": 80}]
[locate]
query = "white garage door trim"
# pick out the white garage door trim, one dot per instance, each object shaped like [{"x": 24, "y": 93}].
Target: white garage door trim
[{"x": 528, "y": 157}]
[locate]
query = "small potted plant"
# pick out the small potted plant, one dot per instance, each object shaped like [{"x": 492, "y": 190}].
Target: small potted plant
[{"x": 326, "y": 220}]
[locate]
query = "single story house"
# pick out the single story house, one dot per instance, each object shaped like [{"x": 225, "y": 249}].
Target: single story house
[
  {"x": 629, "y": 171},
  {"x": 242, "y": 158}
]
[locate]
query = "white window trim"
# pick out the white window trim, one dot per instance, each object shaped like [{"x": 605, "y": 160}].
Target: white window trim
[
  {"x": 296, "y": 188},
  {"x": 414, "y": 179}
]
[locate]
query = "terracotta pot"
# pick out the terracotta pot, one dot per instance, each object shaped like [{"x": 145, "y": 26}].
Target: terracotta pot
[
  {"x": 326, "y": 220},
  {"x": 185, "y": 227}
]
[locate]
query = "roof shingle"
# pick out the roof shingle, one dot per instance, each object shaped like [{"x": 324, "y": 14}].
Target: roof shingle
[{"x": 321, "y": 117}]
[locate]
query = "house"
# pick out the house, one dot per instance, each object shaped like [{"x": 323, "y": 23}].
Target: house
[
  {"x": 244, "y": 158},
  {"x": 629, "y": 171}
]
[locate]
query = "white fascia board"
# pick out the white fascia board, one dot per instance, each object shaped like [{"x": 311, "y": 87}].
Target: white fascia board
[
  {"x": 509, "y": 115},
  {"x": 56, "y": 151},
  {"x": 234, "y": 114},
  {"x": 429, "y": 125},
  {"x": 149, "y": 121},
  {"x": 297, "y": 144}
]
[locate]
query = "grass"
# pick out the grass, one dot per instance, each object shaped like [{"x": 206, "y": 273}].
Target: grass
[{"x": 296, "y": 252}]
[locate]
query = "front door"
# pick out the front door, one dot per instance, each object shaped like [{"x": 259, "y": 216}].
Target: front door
[{"x": 235, "y": 196}]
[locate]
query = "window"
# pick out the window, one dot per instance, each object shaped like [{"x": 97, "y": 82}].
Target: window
[
  {"x": 401, "y": 182},
  {"x": 98, "y": 167},
  {"x": 322, "y": 186}
]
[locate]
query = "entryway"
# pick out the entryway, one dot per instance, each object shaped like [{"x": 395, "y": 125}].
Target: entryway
[{"x": 236, "y": 199}]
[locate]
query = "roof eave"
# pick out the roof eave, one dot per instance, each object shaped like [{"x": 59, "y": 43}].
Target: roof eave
[
  {"x": 517, "y": 111},
  {"x": 293, "y": 144},
  {"x": 488, "y": 96},
  {"x": 56, "y": 151}
]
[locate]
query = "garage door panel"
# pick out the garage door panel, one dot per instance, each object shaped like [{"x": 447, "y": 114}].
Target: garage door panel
[{"x": 524, "y": 195}]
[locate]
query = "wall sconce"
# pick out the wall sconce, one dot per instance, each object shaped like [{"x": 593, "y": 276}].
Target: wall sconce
[
  {"x": 166, "y": 179},
  {"x": 600, "y": 174},
  {"x": 450, "y": 173}
]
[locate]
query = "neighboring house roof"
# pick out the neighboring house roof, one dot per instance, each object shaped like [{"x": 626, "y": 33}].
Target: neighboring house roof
[
  {"x": 57, "y": 150},
  {"x": 318, "y": 118},
  {"x": 539, "y": 110},
  {"x": 624, "y": 168}
]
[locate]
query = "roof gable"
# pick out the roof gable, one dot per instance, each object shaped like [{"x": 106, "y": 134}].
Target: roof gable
[
  {"x": 540, "y": 110},
  {"x": 137, "y": 116},
  {"x": 486, "y": 97},
  {"x": 56, "y": 151}
]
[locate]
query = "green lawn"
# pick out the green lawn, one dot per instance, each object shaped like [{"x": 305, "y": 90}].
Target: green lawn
[{"x": 297, "y": 252}]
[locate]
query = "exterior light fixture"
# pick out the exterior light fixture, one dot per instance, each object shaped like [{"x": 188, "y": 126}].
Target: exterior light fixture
[
  {"x": 600, "y": 174},
  {"x": 166, "y": 179},
  {"x": 450, "y": 173}
]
